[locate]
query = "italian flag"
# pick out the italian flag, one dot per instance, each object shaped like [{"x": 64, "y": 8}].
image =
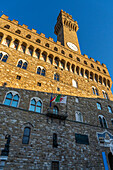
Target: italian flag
[{"x": 59, "y": 99}]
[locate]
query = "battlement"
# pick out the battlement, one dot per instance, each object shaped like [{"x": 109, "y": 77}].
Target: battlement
[{"x": 34, "y": 31}]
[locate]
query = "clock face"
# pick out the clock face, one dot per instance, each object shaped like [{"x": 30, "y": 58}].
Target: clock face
[{"x": 72, "y": 46}]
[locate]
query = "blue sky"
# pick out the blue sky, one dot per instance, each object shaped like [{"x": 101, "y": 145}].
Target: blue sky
[{"x": 94, "y": 17}]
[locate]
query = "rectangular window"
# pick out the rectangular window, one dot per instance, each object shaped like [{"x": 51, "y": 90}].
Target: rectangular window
[
  {"x": 55, "y": 165},
  {"x": 18, "y": 77},
  {"x": 81, "y": 139},
  {"x": 55, "y": 140}
]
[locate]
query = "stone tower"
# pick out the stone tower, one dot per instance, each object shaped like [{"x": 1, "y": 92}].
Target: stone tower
[{"x": 66, "y": 30}]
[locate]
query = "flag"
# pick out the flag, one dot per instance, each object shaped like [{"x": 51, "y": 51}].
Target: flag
[
  {"x": 59, "y": 99},
  {"x": 50, "y": 100}
]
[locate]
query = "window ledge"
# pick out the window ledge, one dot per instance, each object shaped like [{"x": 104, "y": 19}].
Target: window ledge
[{"x": 60, "y": 116}]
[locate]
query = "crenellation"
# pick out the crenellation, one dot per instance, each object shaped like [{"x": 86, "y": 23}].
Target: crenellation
[
  {"x": 25, "y": 26},
  {"x": 14, "y": 21},
  {"x": 5, "y": 17},
  {"x": 33, "y": 30}
]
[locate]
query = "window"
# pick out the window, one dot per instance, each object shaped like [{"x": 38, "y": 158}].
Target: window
[
  {"x": 47, "y": 45},
  {"x": 38, "y": 41},
  {"x": 56, "y": 49},
  {"x": 109, "y": 109},
  {"x": 76, "y": 99},
  {"x": 81, "y": 139},
  {"x": 23, "y": 47},
  {"x": 55, "y": 110},
  {"x": 56, "y": 77},
  {"x": 55, "y": 144},
  {"x": 41, "y": 71},
  {"x": 18, "y": 31},
  {"x": 1, "y": 36},
  {"x": 74, "y": 83},
  {"x": 85, "y": 62},
  {"x": 28, "y": 36},
  {"x": 86, "y": 73},
  {"x": 112, "y": 122},
  {"x": 26, "y": 135},
  {"x": 50, "y": 57},
  {"x": 62, "y": 52},
  {"x": 98, "y": 68},
  {"x": 38, "y": 84},
  {"x": 30, "y": 50},
  {"x": 57, "y": 61},
  {"x": 37, "y": 52},
  {"x": 35, "y": 105},
  {"x": 70, "y": 55},
  {"x": 55, "y": 165},
  {"x": 3, "y": 56},
  {"x": 82, "y": 72},
  {"x": 22, "y": 64},
  {"x": 99, "y": 106},
  {"x": 16, "y": 43},
  {"x": 12, "y": 99},
  {"x": 102, "y": 121},
  {"x": 44, "y": 56},
  {"x": 7, "y": 26},
  {"x": 105, "y": 94},
  {"x": 58, "y": 89},
  {"x": 18, "y": 77},
  {"x": 62, "y": 64},
  {"x": 92, "y": 65},
  {"x": 8, "y": 40},
  {"x": 79, "y": 117},
  {"x": 95, "y": 91},
  {"x": 104, "y": 71},
  {"x": 78, "y": 59}
]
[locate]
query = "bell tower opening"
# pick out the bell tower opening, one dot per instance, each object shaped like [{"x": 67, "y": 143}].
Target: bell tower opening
[{"x": 66, "y": 30}]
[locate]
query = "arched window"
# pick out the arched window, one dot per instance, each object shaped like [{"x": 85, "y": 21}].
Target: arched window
[
  {"x": 56, "y": 49},
  {"x": 85, "y": 62},
  {"x": 26, "y": 135},
  {"x": 95, "y": 91},
  {"x": 1, "y": 36},
  {"x": 100, "y": 79},
  {"x": 104, "y": 81},
  {"x": 23, "y": 47},
  {"x": 92, "y": 65},
  {"x": 38, "y": 41},
  {"x": 99, "y": 106},
  {"x": 37, "y": 53},
  {"x": 16, "y": 43},
  {"x": 102, "y": 121},
  {"x": 7, "y": 26},
  {"x": 41, "y": 71},
  {"x": 35, "y": 105},
  {"x": 63, "y": 64},
  {"x": 28, "y": 36},
  {"x": 8, "y": 40},
  {"x": 98, "y": 68},
  {"x": 50, "y": 57},
  {"x": 109, "y": 109},
  {"x": 11, "y": 99},
  {"x": 79, "y": 117},
  {"x": 86, "y": 73},
  {"x": 62, "y": 52},
  {"x": 77, "y": 70},
  {"x": 56, "y": 77},
  {"x": 30, "y": 50},
  {"x": 82, "y": 72},
  {"x": 91, "y": 75},
  {"x": 18, "y": 31},
  {"x": 22, "y": 64},
  {"x": 57, "y": 61},
  {"x": 3, "y": 56},
  {"x": 96, "y": 77},
  {"x": 55, "y": 110},
  {"x": 47, "y": 45},
  {"x": 108, "y": 83},
  {"x": 68, "y": 66},
  {"x": 73, "y": 68},
  {"x": 105, "y": 95},
  {"x": 44, "y": 55},
  {"x": 74, "y": 83}
]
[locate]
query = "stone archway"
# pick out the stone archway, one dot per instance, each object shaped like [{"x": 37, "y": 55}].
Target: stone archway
[{"x": 110, "y": 158}]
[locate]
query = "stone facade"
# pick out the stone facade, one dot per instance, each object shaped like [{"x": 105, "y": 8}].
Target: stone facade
[{"x": 86, "y": 84}]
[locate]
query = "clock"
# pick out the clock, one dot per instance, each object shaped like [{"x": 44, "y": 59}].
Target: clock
[{"x": 72, "y": 46}]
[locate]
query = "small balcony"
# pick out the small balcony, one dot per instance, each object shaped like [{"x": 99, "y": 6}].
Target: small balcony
[{"x": 59, "y": 115}]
